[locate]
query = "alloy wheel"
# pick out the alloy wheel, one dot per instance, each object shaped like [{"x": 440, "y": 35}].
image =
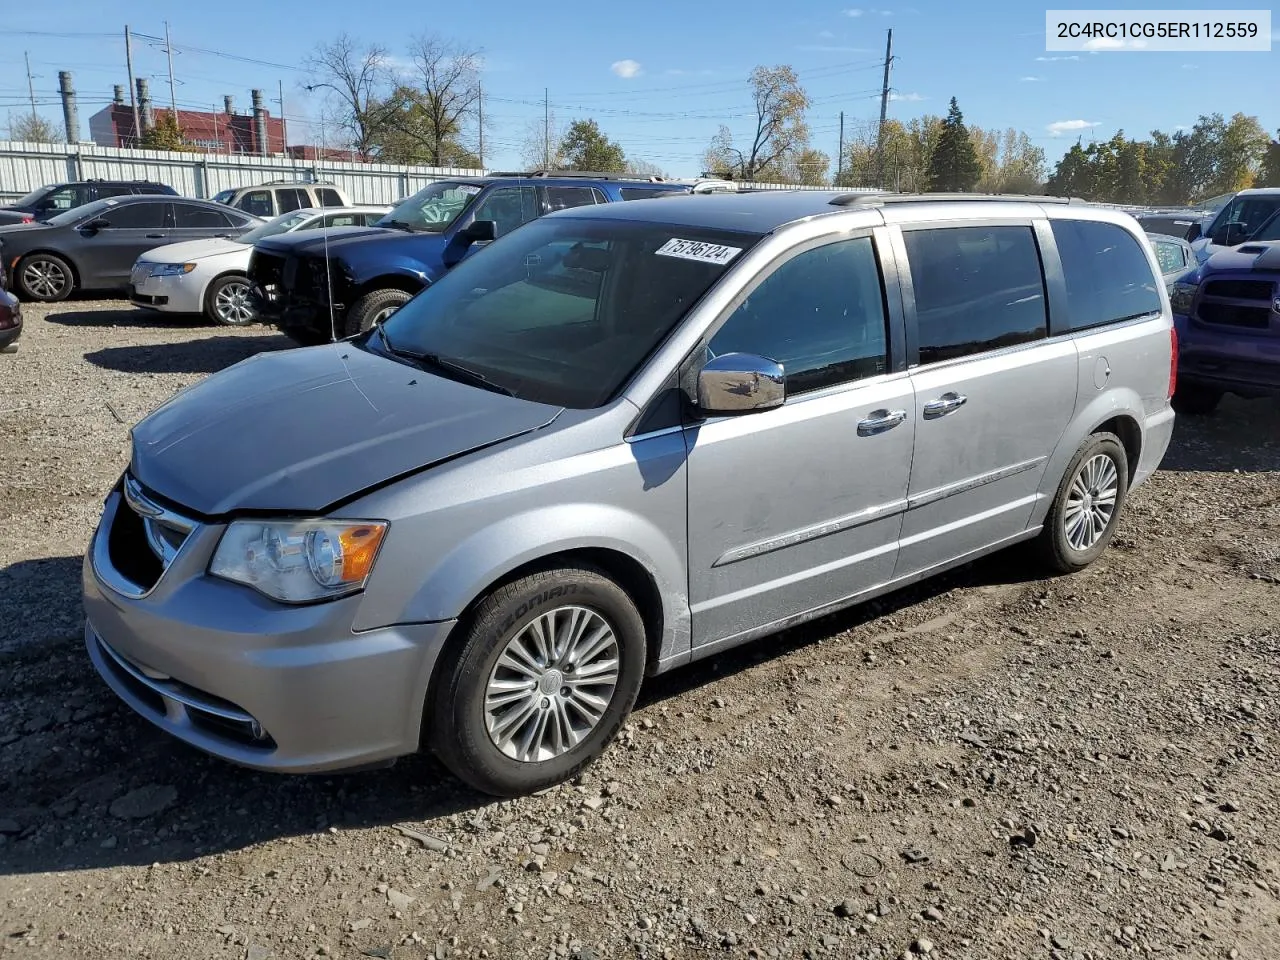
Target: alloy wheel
[
  {"x": 44, "y": 278},
  {"x": 1091, "y": 502},
  {"x": 232, "y": 305}
]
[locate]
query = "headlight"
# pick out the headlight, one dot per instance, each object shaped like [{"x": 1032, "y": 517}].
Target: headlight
[
  {"x": 171, "y": 269},
  {"x": 299, "y": 561},
  {"x": 1181, "y": 296}
]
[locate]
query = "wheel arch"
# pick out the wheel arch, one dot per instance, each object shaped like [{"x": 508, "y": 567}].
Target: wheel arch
[
  {"x": 61, "y": 255},
  {"x": 406, "y": 282}
]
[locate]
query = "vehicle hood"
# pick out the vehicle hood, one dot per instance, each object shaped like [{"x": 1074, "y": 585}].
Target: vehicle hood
[
  {"x": 1250, "y": 255},
  {"x": 194, "y": 250},
  {"x": 298, "y": 430},
  {"x": 312, "y": 241}
]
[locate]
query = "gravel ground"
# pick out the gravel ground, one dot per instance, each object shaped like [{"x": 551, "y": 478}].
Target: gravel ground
[{"x": 990, "y": 765}]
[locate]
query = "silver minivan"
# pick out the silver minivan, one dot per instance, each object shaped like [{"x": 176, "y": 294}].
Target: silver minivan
[{"x": 622, "y": 438}]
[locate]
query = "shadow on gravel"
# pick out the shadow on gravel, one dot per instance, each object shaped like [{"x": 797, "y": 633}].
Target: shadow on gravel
[
  {"x": 206, "y": 355},
  {"x": 73, "y": 758},
  {"x": 1240, "y": 435},
  {"x": 132, "y": 317}
]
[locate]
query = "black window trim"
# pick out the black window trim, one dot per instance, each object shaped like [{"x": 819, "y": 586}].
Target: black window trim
[
  {"x": 1058, "y": 306},
  {"x": 890, "y": 292},
  {"x": 1050, "y": 275}
]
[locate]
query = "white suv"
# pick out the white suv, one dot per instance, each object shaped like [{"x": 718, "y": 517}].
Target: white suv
[{"x": 269, "y": 200}]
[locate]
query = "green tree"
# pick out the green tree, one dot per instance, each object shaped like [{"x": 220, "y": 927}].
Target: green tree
[
  {"x": 1073, "y": 176},
  {"x": 1022, "y": 166},
  {"x": 781, "y": 134},
  {"x": 411, "y": 135},
  {"x": 1241, "y": 155},
  {"x": 165, "y": 134},
  {"x": 32, "y": 128},
  {"x": 986, "y": 147},
  {"x": 954, "y": 165},
  {"x": 1270, "y": 173},
  {"x": 585, "y": 147},
  {"x": 446, "y": 91}
]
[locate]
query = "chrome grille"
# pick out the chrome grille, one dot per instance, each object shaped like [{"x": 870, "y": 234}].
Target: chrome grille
[{"x": 166, "y": 530}]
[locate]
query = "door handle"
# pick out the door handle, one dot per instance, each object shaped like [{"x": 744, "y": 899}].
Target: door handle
[
  {"x": 947, "y": 403},
  {"x": 155, "y": 236},
  {"x": 880, "y": 421}
]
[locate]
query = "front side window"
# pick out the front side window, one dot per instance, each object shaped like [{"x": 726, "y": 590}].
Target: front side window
[
  {"x": 1252, "y": 211},
  {"x": 564, "y": 310},
  {"x": 224, "y": 197},
  {"x": 820, "y": 314},
  {"x": 1269, "y": 230},
  {"x": 64, "y": 198},
  {"x": 341, "y": 220},
  {"x": 507, "y": 207},
  {"x": 433, "y": 207},
  {"x": 258, "y": 203},
  {"x": 976, "y": 289},
  {"x": 135, "y": 216},
  {"x": 1169, "y": 256},
  {"x": 1108, "y": 277}
]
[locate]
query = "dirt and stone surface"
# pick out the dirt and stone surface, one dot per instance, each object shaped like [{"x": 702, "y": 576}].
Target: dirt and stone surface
[{"x": 991, "y": 765}]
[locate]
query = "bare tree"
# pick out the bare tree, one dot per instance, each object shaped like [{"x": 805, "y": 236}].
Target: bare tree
[
  {"x": 33, "y": 128},
  {"x": 355, "y": 75},
  {"x": 542, "y": 145},
  {"x": 447, "y": 90},
  {"x": 781, "y": 133}
]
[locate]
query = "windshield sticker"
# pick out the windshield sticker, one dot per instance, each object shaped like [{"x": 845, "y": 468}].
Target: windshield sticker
[
  {"x": 110, "y": 203},
  {"x": 696, "y": 250},
  {"x": 467, "y": 189}
]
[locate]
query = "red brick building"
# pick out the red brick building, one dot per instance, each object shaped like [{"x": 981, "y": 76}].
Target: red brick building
[{"x": 224, "y": 132}]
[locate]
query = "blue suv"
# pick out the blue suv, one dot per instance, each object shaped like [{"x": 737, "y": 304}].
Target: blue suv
[{"x": 324, "y": 285}]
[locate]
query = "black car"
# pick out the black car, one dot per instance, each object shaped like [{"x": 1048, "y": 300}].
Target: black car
[
  {"x": 94, "y": 247},
  {"x": 10, "y": 321},
  {"x": 55, "y": 198}
]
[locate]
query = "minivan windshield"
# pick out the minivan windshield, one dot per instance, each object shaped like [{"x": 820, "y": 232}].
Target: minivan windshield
[
  {"x": 281, "y": 224},
  {"x": 563, "y": 310},
  {"x": 432, "y": 208}
]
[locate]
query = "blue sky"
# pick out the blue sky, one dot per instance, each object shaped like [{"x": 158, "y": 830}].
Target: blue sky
[{"x": 659, "y": 80}]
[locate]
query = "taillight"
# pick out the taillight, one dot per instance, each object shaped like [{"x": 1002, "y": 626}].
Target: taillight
[
  {"x": 28, "y": 219},
  {"x": 1173, "y": 361}
]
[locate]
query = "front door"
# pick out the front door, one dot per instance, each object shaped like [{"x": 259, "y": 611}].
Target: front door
[
  {"x": 799, "y": 507},
  {"x": 131, "y": 230},
  {"x": 993, "y": 396}
]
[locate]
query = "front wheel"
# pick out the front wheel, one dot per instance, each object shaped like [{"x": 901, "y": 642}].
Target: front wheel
[
  {"x": 373, "y": 307},
  {"x": 1086, "y": 509},
  {"x": 545, "y": 676},
  {"x": 229, "y": 303},
  {"x": 45, "y": 278}
]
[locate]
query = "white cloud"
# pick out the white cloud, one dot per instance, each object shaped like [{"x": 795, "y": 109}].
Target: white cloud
[
  {"x": 1031, "y": 79},
  {"x": 827, "y": 48},
  {"x": 1052, "y": 59},
  {"x": 1191, "y": 66},
  {"x": 872, "y": 11},
  {"x": 1068, "y": 126},
  {"x": 826, "y": 35},
  {"x": 626, "y": 69},
  {"x": 855, "y": 12},
  {"x": 1097, "y": 44},
  {"x": 911, "y": 97}
]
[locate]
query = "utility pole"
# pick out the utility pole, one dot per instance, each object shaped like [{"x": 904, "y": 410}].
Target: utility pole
[
  {"x": 31, "y": 88},
  {"x": 284, "y": 124},
  {"x": 546, "y": 128},
  {"x": 480, "y": 119},
  {"x": 884, "y": 108},
  {"x": 840, "y": 152},
  {"x": 133, "y": 88},
  {"x": 173, "y": 96}
]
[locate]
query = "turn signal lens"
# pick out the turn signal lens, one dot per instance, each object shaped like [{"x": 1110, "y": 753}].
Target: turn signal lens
[{"x": 299, "y": 561}]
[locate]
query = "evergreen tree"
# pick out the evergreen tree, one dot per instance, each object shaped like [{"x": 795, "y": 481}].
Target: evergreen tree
[{"x": 955, "y": 165}]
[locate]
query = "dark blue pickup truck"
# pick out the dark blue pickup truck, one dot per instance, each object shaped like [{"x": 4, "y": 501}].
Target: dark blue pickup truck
[{"x": 320, "y": 286}]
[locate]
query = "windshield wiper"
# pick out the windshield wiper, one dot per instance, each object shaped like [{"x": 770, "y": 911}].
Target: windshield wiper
[
  {"x": 460, "y": 371},
  {"x": 399, "y": 225}
]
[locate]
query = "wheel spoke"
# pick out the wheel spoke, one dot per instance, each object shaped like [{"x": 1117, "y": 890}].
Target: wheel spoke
[
  {"x": 506, "y": 727},
  {"x": 600, "y": 638},
  {"x": 517, "y": 659}
]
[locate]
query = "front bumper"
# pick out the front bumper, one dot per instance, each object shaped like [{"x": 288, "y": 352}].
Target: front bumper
[
  {"x": 262, "y": 684},
  {"x": 178, "y": 294},
  {"x": 1245, "y": 363}
]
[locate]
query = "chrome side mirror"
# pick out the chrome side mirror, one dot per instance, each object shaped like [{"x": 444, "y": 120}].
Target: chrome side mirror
[{"x": 741, "y": 383}]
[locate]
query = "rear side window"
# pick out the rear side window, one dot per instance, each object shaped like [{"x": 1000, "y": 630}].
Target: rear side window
[
  {"x": 290, "y": 200},
  {"x": 644, "y": 193},
  {"x": 104, "y": 191},
  {"x": 191, "y": 216},
  {"x": 1108, "y": 275},
  {"x": 562, "y": 198},
  {"x": 820, "y": 314},
  {"x": 257, "y": 202},
  {"x": 1169, "y": 256},
  {"x": 976, "y": 289},
  {"x": 330, "y": 198}
]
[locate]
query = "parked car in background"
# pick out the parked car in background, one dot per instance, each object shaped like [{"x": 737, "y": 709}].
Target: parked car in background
[
  {"x": 1183, "y": 224},
  {"x": 10, "y": 321},
  {"x": 211, "y": 276},
  {"x": 269, "y": 200},
  {"x": 55, "y": 198},
  {"x": 1174, "y": 255},
  {"x": 95, "y": 246},
  {"x": 622, "y": 438},
  {"x": 1238, "y": 221},
  {"x": 372, "y": 272},
  {"x": 1227, "y": 313}
]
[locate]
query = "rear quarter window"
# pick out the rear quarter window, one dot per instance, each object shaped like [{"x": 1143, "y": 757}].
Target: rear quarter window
[{"x": 1107, "y": 272}]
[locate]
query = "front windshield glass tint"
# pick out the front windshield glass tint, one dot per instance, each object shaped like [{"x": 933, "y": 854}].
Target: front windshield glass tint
[
  {"x": 565, "y": 310},
  {"x": 433, "y": 207},
  {"x": 76, "y": 214},
  {"x": 281, "y": 224},
  {"x": 30, "y": 199},
  {"x": 224, "y": 197}
]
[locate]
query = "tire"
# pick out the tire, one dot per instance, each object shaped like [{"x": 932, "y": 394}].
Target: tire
[
  {"x": 496, "y": 748},
  {"x": 372, "y": 306},
  {"x": 227, "y": 302},
  {"x": 1195, "y": 400},
  {"x": 1065, "y": 546},
  {"x": 45, "y": 278}
]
